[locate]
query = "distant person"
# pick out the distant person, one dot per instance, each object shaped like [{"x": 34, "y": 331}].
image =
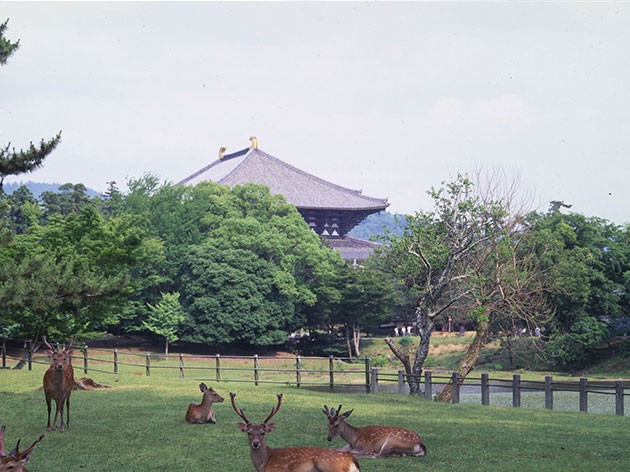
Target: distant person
[
  {"x": 409, "y": 330},
  {"x": 396, "y": 331},
  {"x": 404, "y": 330},
  {"x": 462, "y": 331}
]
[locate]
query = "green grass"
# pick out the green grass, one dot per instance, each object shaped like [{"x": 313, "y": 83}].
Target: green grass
[{"x": 138, "y": 425}]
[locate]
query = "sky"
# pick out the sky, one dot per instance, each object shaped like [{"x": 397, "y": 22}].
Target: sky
[{"x": 392, "y": 98}]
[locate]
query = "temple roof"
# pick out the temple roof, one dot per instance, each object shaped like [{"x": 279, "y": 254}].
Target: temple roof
[{"x": 251, "y": 165}]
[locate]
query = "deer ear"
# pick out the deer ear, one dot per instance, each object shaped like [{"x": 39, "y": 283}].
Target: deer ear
[
  {"x": 270, "y": 427},
  {"x": 242, "y": 426},
  {"x": 203, "y": 387}
]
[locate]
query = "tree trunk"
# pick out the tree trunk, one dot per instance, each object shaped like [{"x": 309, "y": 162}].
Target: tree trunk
[
  {"x": 404, "y": 358},
  {"x": 467, "y": 364},
  {"x": 356, "y": 340},
  {"x": 425, "y": 326},
  {"x": 348, "y": 343},
  {"x": 24, "y": 360},
  {"x": 166, "y": 348}
]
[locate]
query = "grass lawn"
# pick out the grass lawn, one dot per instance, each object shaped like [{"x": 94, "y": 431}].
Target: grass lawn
[{"x": 138, "y": 425}]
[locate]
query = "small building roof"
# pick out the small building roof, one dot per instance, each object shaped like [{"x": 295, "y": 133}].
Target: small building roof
[
  {"x": 305, "y": 191},
  {"x": 354, "y": 248}
]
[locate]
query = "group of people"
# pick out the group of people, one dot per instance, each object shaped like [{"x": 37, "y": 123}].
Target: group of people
[{"x": 404, "y": 331}]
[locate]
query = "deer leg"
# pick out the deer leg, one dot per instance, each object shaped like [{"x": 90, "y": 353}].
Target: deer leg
[
  {"x": 57, "y": 407},
  {"x": 61, "y": 406},
  {"x": 48, "y": 401},
  {"x": 68, "y": 412}
]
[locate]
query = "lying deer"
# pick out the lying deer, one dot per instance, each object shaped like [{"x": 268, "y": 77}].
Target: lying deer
[
  {"x": 289, "y": 459},
  {"x": 372, "y": 441},
  {"x": 202, "y": 412},
  {"x": 14, "y": 461},
  {"x": 58, "y": 382}
]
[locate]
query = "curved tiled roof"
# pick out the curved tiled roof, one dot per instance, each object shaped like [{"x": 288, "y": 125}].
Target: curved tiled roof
[{"x": 298, "y": 187}]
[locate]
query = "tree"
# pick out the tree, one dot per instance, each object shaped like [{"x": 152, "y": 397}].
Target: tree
[
  {"x": 588, "y": 259},
  {"x": 246, "y": 281},
  {"x": 14, "y": 162},
  {"x": 433, "y": 257},
  {"x": 73, "y": 275},
  {"x": 367, "y": 298},
  {"x": 166, "y": 318}
]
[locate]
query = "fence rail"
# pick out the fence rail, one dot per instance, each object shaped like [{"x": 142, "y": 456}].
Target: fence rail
[{"x": 326, "y": 372}]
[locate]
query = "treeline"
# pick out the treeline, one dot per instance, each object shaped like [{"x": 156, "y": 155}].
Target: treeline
[
  {"x": 204, "y": 264},
  {"x": 213, "y": 265}
]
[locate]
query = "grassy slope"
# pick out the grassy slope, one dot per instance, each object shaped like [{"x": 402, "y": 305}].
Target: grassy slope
[{"x": 138, "y": 425}]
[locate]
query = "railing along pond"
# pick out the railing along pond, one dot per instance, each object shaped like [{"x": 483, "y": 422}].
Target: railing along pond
[{"x": 326, "y": 372}]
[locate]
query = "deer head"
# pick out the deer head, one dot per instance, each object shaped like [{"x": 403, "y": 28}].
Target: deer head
[
  {"x": 59, "y": 359},
  {"x": 14, "y": 461},
  {"x": 210, "y": 394},
  {"x": 335, "y": 421},
  {"x": 256, "y": 432}
]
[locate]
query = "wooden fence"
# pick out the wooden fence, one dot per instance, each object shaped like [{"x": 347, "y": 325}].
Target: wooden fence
[{"x": 323, "y": 372}]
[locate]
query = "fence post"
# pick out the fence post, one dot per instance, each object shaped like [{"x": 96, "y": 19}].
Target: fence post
[
  {"x": 298, "y": 375},
  {"x": 85, "y": 358},
  {"x": 331, "y": 373},
  {"x": 485, "y": 389},
  {"x": 455, "y": 384},
  {"x": 29, "y": 346},
  {"x": 428, "y": 386},
  {"x": 374, "y": 383},
  {"x": 148, "y": 368},
  {"x": 368, "y": 367},
  {"x": 218, "y": 367},
  {"x": 619, "y": 397},
  {"x": 4, "y": 353},
  {"x": 549, "y": 392},
  {"x": 583, "y": 394},
  {"x": 181, "y": 365},
  {"x": 401, "y": 381},
  {"x": 256, "y": 369},
  {"x": 516, "y": 390},
  {"x": 115, "y": 361}
]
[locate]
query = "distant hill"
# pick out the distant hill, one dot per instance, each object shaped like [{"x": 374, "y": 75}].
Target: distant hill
[
  {"x": 37, "y": 188},
  {"x": 377, "y": 224}
]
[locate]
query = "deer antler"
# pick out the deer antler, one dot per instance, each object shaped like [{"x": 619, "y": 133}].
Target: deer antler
[
  {"x": 2, "y": 430},
  {"x": 53, "y": 349},
  {"x": 28, "y": 449},
  {"x": 238, "y": 411},
  {"x": 67, "y": 348},
  {"x": 274, "y": 410}
]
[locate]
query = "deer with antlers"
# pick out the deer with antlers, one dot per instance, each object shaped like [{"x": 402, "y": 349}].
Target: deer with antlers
[
  {"x": 199, "y": 413},
  {"x": 14, "y": 461},
  {"x": 59, "y": 382},
  {"x": 372, "y": 441},
  {"x": 289, "y": 459}
]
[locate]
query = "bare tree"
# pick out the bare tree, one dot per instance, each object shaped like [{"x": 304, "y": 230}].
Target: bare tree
[{"x": 448, "y": 258}]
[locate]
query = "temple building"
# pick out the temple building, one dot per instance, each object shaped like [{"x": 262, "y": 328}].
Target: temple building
[{"x": 329, "y": 209}]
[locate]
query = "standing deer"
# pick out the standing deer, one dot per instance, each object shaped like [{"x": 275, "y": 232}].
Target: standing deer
[
  {"x": 289, "y": 459},
  {"x": 372, "y": 441},
  {"x": 14, "y": 461},
  {"x": 202, "y": 412},
  {"x": 58, "y": 382}
]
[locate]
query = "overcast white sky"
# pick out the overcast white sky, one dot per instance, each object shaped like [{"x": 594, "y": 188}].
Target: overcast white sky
[{"x": 391, "y": 98}]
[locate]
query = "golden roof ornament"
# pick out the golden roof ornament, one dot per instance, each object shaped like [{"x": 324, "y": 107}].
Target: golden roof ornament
[
  {"x": 254, "y": 141},
  {"x": 222, "y": 152}
]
